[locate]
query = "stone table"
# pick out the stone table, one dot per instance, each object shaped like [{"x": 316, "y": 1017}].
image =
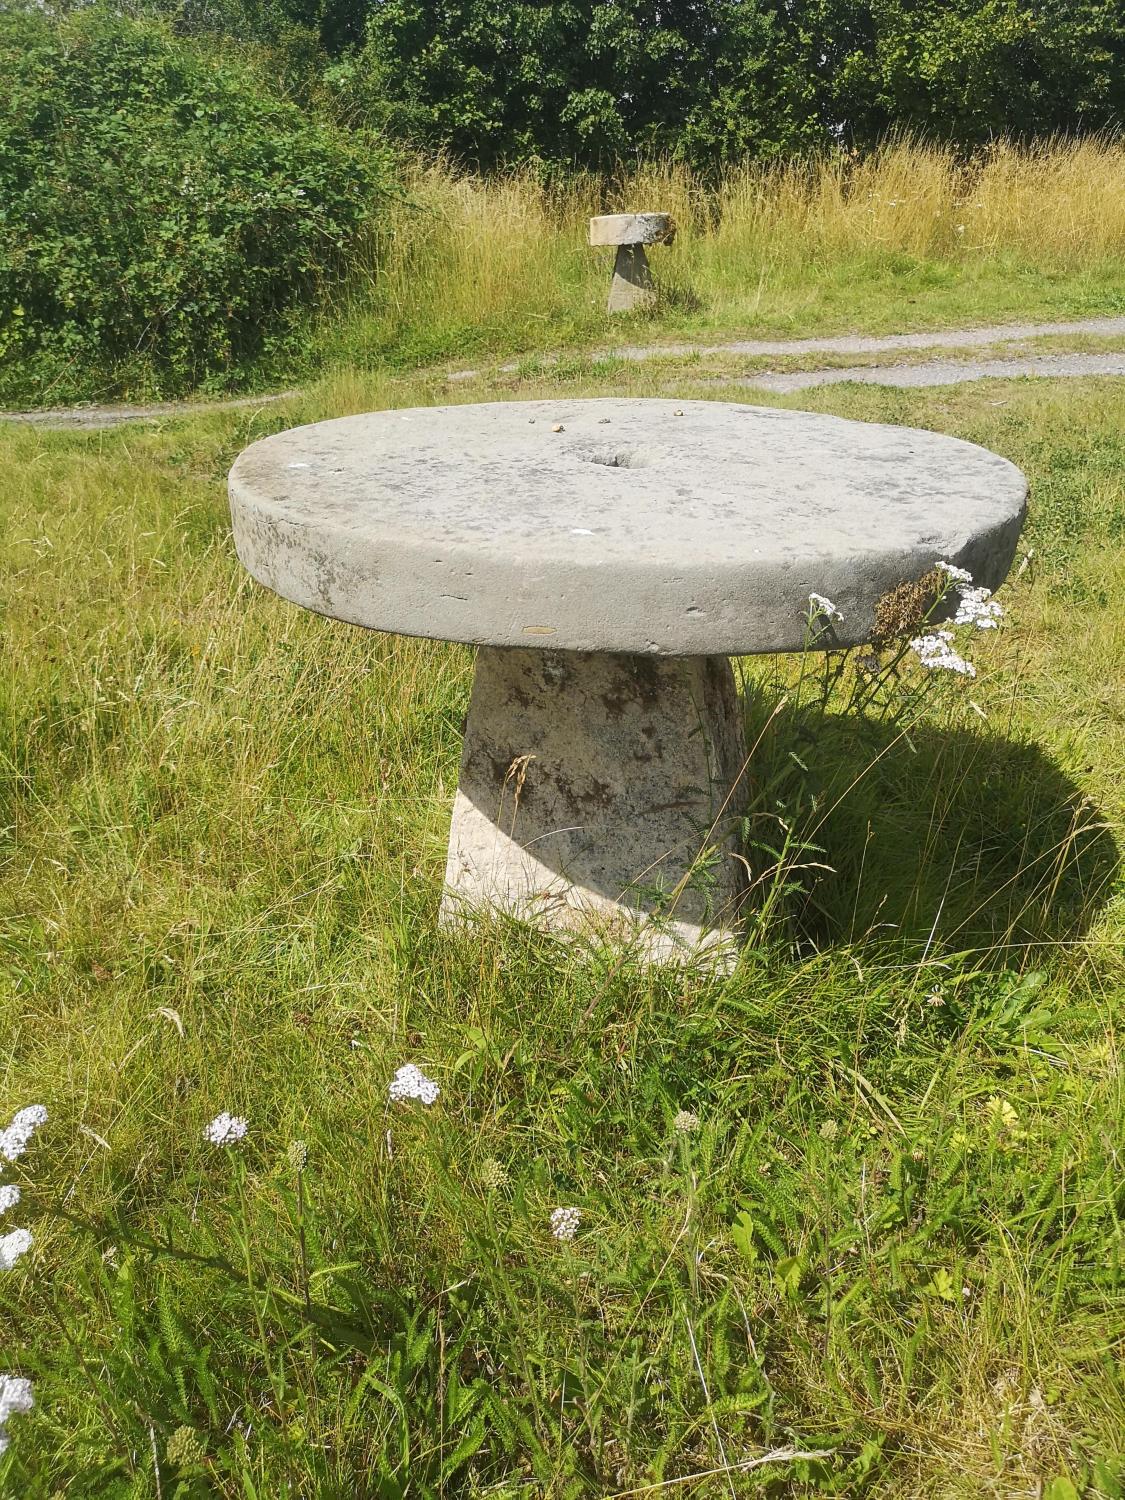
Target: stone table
[
  {"x": 607, "y": 557},
  {"x": 632, "y": 284}
]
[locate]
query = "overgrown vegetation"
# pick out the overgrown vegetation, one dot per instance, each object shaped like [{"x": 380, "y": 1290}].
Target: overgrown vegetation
[
  {"x": 164, "y": 211},
  {"x": 908, "y": 237},
  {"x": 457, "y": 267},
  {"x": 712, "y": 82},
  {"x": 894, "y": 1237}
]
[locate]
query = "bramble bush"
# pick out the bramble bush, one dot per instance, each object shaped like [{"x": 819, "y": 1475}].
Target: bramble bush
[{"x": 160, "y": 207}]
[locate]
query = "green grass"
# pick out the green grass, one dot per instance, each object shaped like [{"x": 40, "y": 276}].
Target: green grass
[{"x": 895, "y": 1237}]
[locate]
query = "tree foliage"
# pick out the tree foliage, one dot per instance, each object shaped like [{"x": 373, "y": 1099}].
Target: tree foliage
[
  {"x": 591, "y": 82},
  {"x": 966, "y": 70},
  {"x": 595, "y": 82}
]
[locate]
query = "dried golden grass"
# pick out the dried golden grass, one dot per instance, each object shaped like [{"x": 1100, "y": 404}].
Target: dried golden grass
[{"x": 465, "y": 261}]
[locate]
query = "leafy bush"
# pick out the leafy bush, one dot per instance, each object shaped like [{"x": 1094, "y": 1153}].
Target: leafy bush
[
  {"x": 596, "y": 82},
  {"x": 159, "y": 207},
  {"x": 706, "y": 81}
]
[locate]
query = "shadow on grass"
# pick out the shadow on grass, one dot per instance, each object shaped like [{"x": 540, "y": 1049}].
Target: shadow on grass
[{"x": 947, "y": 839}]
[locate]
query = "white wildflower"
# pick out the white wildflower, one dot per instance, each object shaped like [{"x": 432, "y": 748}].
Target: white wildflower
[
  {"x": 565, "y": 1222},
  {"x": 15, "y": 1399},
  {"x": 686, "y": 1122},
  {"x": 15, "y": 1139},
  {"x": 30, "y": 1117},
  {"x": 962, "y": 575},
  {"x": 819, "y": 605},
  {"x": 977, "y": 607},
  {"x": 936, "y": 653},
  {"x": 13, "y": 1246},
  {"x": 9, "y": 1197},
  {"x": 225, "y": 1129},
  {"x": 411, "y": 1083}
]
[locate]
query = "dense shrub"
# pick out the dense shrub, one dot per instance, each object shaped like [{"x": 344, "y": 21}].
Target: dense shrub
[
  {"x": 592, "y": 82},
  {"x": 159, "y": 206},
  {"x": 967, "y": 70}
]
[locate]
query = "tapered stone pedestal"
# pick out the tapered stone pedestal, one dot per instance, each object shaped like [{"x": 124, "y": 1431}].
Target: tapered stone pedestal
[
  {"x": 632, "y": 285},
  {"x": 601, "y": 793}
]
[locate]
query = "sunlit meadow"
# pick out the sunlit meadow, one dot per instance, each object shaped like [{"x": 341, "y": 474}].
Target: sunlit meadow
[
  {"x": 329, "y": 1202},
  {"x": 911, "y": 236}
]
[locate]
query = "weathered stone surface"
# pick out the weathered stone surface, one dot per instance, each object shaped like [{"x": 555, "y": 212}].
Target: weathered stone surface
[
  {"x": 632, "y": 285},
  {"x": 632, "y": 229},
  {"x": 599, "y": 794},
  {"x": 657, "y": 527}
]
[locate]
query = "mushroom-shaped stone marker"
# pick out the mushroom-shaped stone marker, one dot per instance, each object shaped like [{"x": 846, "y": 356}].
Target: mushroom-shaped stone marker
[
  {"x": 607, "y": 557},
  {"x": 632, "y": 280}
]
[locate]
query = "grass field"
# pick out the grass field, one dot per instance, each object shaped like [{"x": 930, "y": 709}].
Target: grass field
[{"x": 893, "y": 1241}]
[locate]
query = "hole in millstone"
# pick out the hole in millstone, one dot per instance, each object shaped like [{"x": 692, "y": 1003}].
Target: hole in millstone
[{"x": 619, "y": 458}]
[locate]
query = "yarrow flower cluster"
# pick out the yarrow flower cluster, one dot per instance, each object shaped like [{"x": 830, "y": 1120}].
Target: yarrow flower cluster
[
  {"x": 13, "y": 1246},
  {"x": 15, "y": 1140},
  {"x": 493, "y": 1174},
  {"x": 565, "y": 1222},
  {"x": 819, "y": 605},
  {"x": 975, "y": 606},
  {"x": 16, "y": 1399},
  {"x": 225, "y": 1129},
  {"x": 686, "y": 1122},
  {"x": 411, "y": 1083},
  {"x": 185, "y": 1447},
  {"x": 936, "y": 653}
]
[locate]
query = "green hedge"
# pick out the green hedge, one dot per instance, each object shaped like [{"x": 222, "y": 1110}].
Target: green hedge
[{"x": 161, "y": 209}]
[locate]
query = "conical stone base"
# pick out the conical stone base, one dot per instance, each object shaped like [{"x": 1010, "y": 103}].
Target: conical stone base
[
  {"x": 599, "y": 794},
  {"x": 632, "y": 285}
]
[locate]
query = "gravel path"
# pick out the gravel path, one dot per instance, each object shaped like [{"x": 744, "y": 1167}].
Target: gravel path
[
  {"x": 854, "y": 343},
  {"x": 939, "y": 372},
  {"x": 934, "y": 372},
  {"x": 91, "y": 417}
]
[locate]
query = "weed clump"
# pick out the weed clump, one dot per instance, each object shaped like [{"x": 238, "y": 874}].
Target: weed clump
[{"x": 905, "y": 608}]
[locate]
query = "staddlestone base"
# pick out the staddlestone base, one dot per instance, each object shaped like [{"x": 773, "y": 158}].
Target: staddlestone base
[
  {"x": 632, "y": 285},
  {"x": 600, "y": 794}
]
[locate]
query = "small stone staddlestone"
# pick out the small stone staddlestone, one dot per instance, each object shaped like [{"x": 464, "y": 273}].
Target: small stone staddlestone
[{"x": 632, "y": 284}]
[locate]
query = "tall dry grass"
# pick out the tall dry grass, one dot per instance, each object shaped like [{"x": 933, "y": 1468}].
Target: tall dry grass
[{"x": 463, "y": 261}]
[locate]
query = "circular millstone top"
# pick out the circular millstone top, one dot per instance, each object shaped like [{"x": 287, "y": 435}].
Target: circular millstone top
[
  {"x": 679, "y": 529},
  {"x": 632, "y": 229}
]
